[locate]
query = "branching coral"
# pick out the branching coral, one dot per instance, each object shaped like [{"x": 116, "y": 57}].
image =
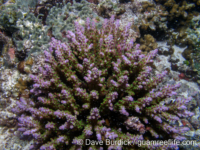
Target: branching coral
[
  {"x": 108, "y": 8},
  {"x": 32, "y": 35},
  {"x": 9, "y": 16},
  {"x": 99, "y": 86},
  {"x": 60, "y": 18},
  {"x": 148, "y": 43}
]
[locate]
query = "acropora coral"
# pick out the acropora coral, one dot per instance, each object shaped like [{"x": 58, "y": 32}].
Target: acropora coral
[{"x": 99, "y": 86}]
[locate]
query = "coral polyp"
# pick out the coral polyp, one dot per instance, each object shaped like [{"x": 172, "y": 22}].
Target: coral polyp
[{"x": 99, "y": 86}]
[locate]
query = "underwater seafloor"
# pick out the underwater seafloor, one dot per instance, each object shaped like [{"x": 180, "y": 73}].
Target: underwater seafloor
[{"x": 49, "y": 103}]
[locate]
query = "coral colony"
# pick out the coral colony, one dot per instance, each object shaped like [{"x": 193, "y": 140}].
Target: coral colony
[{"x": 99, "y": 86}]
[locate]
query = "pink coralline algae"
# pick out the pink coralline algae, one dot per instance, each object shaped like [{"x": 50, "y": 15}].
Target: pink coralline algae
[{"x": 99, "y": 86}]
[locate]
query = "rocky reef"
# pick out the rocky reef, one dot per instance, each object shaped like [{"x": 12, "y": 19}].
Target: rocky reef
[{"x": 62, "y": 84}]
